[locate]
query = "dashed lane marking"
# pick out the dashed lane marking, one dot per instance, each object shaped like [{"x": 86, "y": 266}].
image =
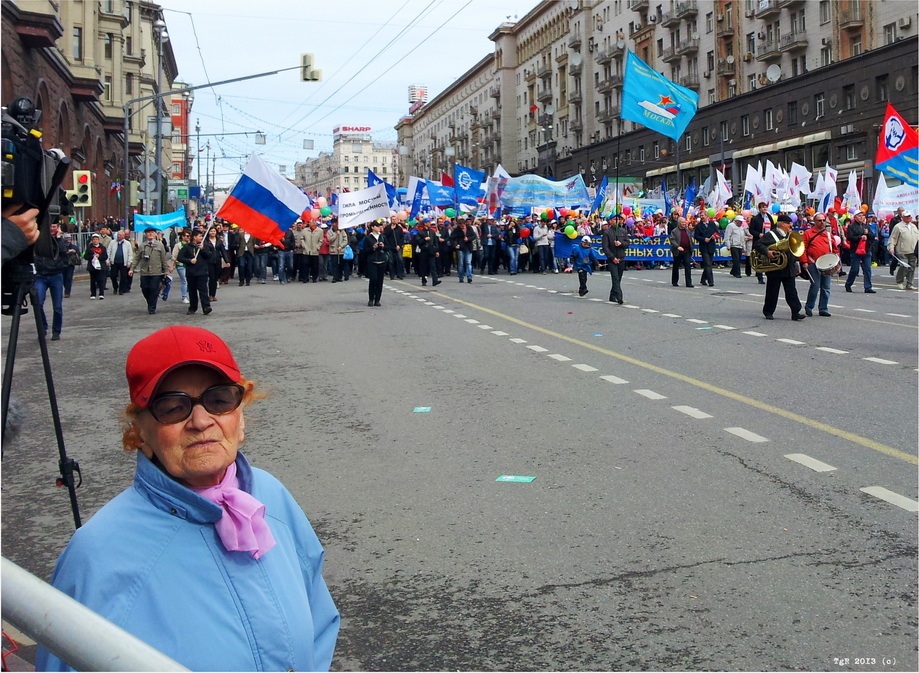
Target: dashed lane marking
[
  {"x": 891, "y": 497},
  {"x": 725, "y": 327},
  {"x": 613, "y": 379},
  {"x": 670, "y": 315},
  {"x": 793, "y": 342},
  {"x": 498, "y": 332},
  {"x": 692, "y": 411},
  {"x": 538, "y": 349},
  {"x": 650, "y": 310},
  {"x": 864, "y": 310},
  {"x": 471, "y": 321},
  {"x": 650, "y": 394},
  {"x": 898, "y": 315},
  {"x": 446, "y": 310},
  {"x": 756, "y": 334},
  {"x": 812, "y": 463},
  {"x": 485, "y": 327},
  {"x": 585, "y": 368},
  {"x": 697, "y": 321},
  {"x": 559, "y": 357},
  {"x": 746, "y": 434},
  {"x": 881, "y": 361},
  {"x": 827, "y": 349}
]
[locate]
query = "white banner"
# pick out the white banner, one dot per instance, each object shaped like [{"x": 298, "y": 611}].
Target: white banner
[
  {"x": 361, "y": 207},
  {"x": 889, "y": 199}
]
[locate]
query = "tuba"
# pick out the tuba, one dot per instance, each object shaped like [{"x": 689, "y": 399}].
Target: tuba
[{"x": 790, "y": 247}]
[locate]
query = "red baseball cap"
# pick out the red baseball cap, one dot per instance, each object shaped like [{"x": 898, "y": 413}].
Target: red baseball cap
[{"x": 169, "y": 348}]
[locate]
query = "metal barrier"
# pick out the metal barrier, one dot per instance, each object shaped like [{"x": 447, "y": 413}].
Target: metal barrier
[{"x": 73, "y": 632}]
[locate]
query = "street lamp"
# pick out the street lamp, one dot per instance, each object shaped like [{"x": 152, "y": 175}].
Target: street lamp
[
  {"x": 198, "y": 159},
  {"x": 159, "y": 28}
]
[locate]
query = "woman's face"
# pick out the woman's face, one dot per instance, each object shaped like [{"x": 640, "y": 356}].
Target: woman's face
[{"x": 199, "y": 449}]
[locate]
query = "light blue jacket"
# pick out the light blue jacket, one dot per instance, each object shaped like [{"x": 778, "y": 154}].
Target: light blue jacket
[{"x": 151, "y": 562}]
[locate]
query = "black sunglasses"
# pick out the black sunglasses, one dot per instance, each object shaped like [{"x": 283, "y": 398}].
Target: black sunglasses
[{"x": 170, "y": 408}]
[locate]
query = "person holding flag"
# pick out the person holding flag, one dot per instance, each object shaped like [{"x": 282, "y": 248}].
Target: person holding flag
[{"x": 197, "y": 259}]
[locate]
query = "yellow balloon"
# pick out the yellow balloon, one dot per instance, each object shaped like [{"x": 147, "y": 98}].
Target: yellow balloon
[
  {"x": 573, "y": 234},
  {"x": 730, "y": 214}
]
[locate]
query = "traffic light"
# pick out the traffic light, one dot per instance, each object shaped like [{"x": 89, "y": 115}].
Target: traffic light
[
  {"x": 82, "y": 193},
  {"x": 133, "y": 198},
  {"x": 307, "y": 73}
]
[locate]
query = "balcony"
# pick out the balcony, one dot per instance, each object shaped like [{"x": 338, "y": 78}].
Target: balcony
[
  {"x": 529, "y": 75},
  {"x": 726, "y": 69},
  {"x": 605, "y": 85},
  {"x": 494, "y": 92},
  {"x": 605, "y": 116},
  {"x": 851, "y": 19},
  {"x": 669, "y": 55},
  {"x": 686, "y": 9},
  {"x": 790, "y": 3},
  {"x": 690, "y": 81},
  {"x": 689, "y": 46},
  {"x": 604, "y": 55},
  {"x": 794, "y": 41},
  {"x": 617, "y": 80},
  {"x": 544, "y": 95},
  {"x": 575, "y": 69},
  {"x": 543, "y": 70},
  {"x": 669, "y": 19},
  {"x": 575, "y": 97},
  {"x": 768, "y": 51},
  {"x": 725, "y": 30},
  {"x": 766, "y": 9},
  {"x": 496, "y": 114},
  {"x": 638, "y": 5},
  {"x": 576, "y": 125},
  {"x": 574, "y": 42}
]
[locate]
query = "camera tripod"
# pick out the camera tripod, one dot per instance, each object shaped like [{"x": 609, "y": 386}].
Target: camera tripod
[{"x": 23, "y": 280}]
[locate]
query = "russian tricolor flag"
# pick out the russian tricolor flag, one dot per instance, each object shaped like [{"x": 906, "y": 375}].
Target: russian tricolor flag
[{"x": 263, "y": 203}]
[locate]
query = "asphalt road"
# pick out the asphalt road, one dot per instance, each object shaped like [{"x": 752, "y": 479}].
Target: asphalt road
[{"x": 698, "y": 501}]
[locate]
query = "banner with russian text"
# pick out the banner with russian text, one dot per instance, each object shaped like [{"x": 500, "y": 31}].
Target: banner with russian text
[
  {"x": 532, "y": 191},
  {"x": 362, "y": 206}
]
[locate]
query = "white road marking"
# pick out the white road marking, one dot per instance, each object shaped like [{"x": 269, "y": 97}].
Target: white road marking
[
  {"x": 585, "y": 368},
  {"x": 881, "y": 361},
  {"x": 791, "y": 341},
  {"x": 559, "y": 357},
  {"x": 459, "y": 315},
  {"x": 448, "y": 310},
  {"x": 650, "y": 394},
  {"x": 756, "y": 334},
  {"x": 429, "y": 303},
  {"x": 533, "y": 286},
  {"x": 827, "y": 349},
  {"x": 647, "y": 280},
  {"x": 613, "y": 379},
  {"x": 485, "y": 327},
  {"x": 498, "y": 332},
  {"x": 898, "y": 315},
  {"x": 753, "y": 294},
  {"x": 553, "y": 291},
  {"x": 538, "y": 349},
  {"x": 697, "y": 321},
  {"x": 629, "y": 306},
  {"x": 518, "y": 341},
  {"x": 650, "y": 310},
  {"x": 891, "y": 497},
  {"x": 692, "y": 411},
  {"x": 670, "y": 315},
  {"x": 812, "y": 463},
  {"x": 746, "y": 434},
  {"x": 864, "y": 310},
  {"x": 540, "y": 288},
  {"x": 725, "y": 327},
  {"x": 439, "y": 308},
  {"x": 520, "y": 284},
  {"x": 594, "y": 299},
  {"x": 472, "y": 321}
]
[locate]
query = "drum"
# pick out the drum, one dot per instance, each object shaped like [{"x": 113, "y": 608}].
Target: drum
[{"x": 828, "y": 264}]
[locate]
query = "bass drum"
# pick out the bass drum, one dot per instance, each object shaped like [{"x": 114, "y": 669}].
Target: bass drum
[{"x": 829, "y": 264}]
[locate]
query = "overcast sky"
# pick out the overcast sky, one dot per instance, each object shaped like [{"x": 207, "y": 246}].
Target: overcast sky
[{"x": 369, "y": 52}]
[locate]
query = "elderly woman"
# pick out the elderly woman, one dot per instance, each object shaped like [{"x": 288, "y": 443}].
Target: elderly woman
[{"x": 207, "y": 559}]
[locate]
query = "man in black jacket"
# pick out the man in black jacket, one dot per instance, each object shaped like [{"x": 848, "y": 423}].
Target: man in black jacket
[
  {"x": 784, "y": 277},
  {"x": 706, "y": 233},
  {"x": 197, "y": 259},
  {"x": 861, "y": 243},
  {"x": 394, "y": 239},
  {"x": 49, "y": 275},
  {"x": 615, "y": 243}
]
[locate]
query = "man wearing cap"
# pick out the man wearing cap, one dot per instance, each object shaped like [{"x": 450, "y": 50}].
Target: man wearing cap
[
  {"x": 818, "y": 242},
  {"x": 784, "y": 277},
  {"x": 902, "y": 244},
  {"x": 151, "y": 261},
  {"x": 615, "y": 244}
]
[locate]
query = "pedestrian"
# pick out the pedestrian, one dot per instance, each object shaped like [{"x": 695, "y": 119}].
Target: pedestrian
[
  {"x": 735, "y": 239},
  {"x": 783, "y": 277},
  {"x": 338, "y": 241},
  {"x": 463, "y": 239},
  {"x": 49, "y": 276},
  {"x": 245, "y": 257},
  {"x": 73, "y": 261},
  {"x": 903, "y": 243},
  {"x": 200, "y": 537},
  {"x": 582, "y": 261},
  {"x": 216, "y": 260},
  {"x": 681, "y": 249},
  {"x": 427, "y": 245},
  {"x": 707, "y": 235},
  {"x": 818, "y": 242},
  {"x": 120, "y": 255},
  {"x": 615, "y": 244},
  {"x": 97, "y": 258},
  {"x": 151, "y": 262},
  {"x": 861, "y": 242},
  {"x": 184, "y": 239},
  {"x": 375, "y": 249},
  {"x": 759, "y": 225},
  {"x": 197, "y": 259}
]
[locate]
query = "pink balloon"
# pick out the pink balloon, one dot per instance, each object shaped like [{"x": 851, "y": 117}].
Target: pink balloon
[
  {"x": 321, "y": 202},
  {"x": 626, "y": 210},
  {"x": 315, "y": 213}
]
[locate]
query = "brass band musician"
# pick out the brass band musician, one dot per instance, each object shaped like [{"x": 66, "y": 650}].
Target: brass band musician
[{"x": 781, "y": 268}]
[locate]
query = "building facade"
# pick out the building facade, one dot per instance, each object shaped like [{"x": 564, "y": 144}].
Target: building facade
[
  {"x": 80, "y": 61},
  {"x": 345, "y": 167},
  {"x": 783, "y": 79}
]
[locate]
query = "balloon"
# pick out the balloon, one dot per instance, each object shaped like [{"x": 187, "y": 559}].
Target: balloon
[
  {"x": 325, "y": 211},
  {"x": 571, "y": 234},
  {"x": 746, "y": 213},
  {"x": 563, "y": 211},
  {"x": 570, "y": 228},
  {"x": 322, "y": 202},
  {"x": 524, "y": 232},
  {"x": 629, "y": 221},
  {"x": 710, "y": 212},
  {"x": 810, "y": 210},
  {"x": 888, "y": 217},
  {"x": 307, "y": 215},
  {"x": 864, "y": 207},
  {"x": 411, "y": 223},
  {"x": 449, "y": 212},
  {"x": 315, "y": 213},
  {"x": 544, "y": 216},
  {"x": 550, "y": 213},
  {"x": 626, "y": 210},
  {"x": 730, "y": 214},
  {"x": 404, "y": 214},
  {"x": 723, "y": 222},
  {"x": 794, "y": 218},
  {"x": 776, "y": 208}
]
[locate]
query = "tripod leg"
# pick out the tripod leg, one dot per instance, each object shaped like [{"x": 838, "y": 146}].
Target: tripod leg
[{"x": 18, "y": 296}]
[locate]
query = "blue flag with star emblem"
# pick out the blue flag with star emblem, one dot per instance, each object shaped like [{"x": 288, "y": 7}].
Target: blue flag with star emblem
[{"x": 650, "y": 99}]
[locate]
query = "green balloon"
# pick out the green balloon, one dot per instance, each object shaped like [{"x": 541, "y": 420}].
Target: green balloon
[
  {"x": 325, "y": 211},
  {"x": 569, "y": 229},
  {"x": 711, "y": 212},
  {"x": 449, "y": 212},
  {"x": 723, "y": 222},
  {"x": 544, "y": 216}
]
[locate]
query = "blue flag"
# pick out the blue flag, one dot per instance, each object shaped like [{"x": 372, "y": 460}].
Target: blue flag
[
  {"x": 416, "y": 199},
  {"x": 439, "y": 195},
  {"x": 467, "y": 183},
  {"x": 650, "y": 99},
  {"x": 690, "y": 196},
  {"x": 372, "y": 180},
  {"x": 164, "y": 221},
  {"x": 601, "y": 196}
]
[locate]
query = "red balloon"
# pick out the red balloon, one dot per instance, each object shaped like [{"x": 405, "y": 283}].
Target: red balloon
[
  {"x": 626, "y": 210},
  {"x": 306, "y": 216},
  {"x": 550, "y": 213},
  {"x": 524, "y": 232}
]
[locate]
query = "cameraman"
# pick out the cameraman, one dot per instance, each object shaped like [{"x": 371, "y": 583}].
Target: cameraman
[
  {"x": 49, "y": 275},
  {"x": 19, "y": 231},
  {"x": 151, "y": 261}
]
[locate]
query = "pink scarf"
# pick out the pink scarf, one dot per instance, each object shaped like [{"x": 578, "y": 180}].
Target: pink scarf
[{"x": 242, "y": 526}]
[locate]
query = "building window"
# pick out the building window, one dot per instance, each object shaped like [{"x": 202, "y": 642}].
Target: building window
[
  {"x": 848, "y": 94},
  {"x": 688, "y": 144},
  {"x": 751, "y": 83},
  {"x": 77, "y": 43},
  {"x": 751, "y": 43},
  {"x": 107, "y": 88},
  {"x": 732, "y": 88},
  {"x": 826, "y": 55},
  {"x": 851, "y": 152},
  {"x": 176, "y": 109},
  {"x": 793, "y": 112},
  {"x": 819, "y": 105},
  {"x": 709, "y": 22},
  {"x": 107, "y": 40},
  {"x": 711, "y": 96},
  {"x": 129, "y": 84},
  {"x": 824, "y": 11},
  {"x": 856, "y": 46},
  {"x": 882, "y": 85},
  {"x": 890, "y": 33},
  {"x": 705, "y": 136},
  {"x": 657, "y": 150},
  {"x": 129, "y": 45},
  {"x": 725, "y": 135},
  {"x": 641, "y": 153},
  {"x": 767, "y": 115},
  {"x": 745, "y": 125},
  {"x": 710, "y": 61}
]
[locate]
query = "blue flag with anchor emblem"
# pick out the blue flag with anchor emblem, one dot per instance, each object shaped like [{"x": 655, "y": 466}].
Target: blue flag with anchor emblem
[
  {"x": 467, "y": 183},
  {"x": 650, "y": 99}
]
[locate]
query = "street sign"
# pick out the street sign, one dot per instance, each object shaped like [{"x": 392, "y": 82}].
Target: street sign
[
  {"x": 182, "y": 192},
  {"x": 148, "y": 185}
]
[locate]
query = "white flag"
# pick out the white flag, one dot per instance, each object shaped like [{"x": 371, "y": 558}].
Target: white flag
[{"x": 851, "y": 198}]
